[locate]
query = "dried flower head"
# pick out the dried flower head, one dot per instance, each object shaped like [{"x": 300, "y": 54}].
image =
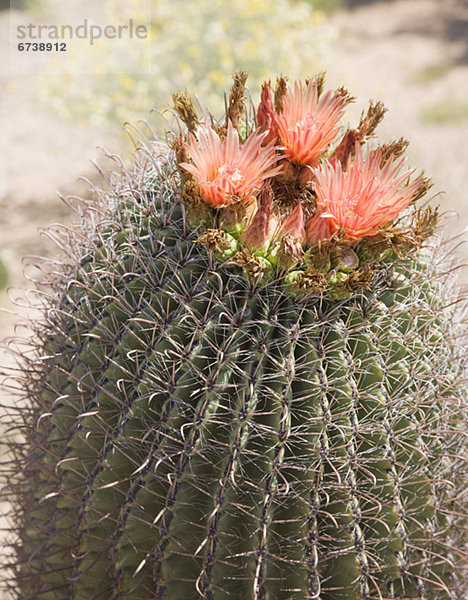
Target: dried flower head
[
  {"x": 360, "y": 199},
  {"x": 226, "y": 170}
]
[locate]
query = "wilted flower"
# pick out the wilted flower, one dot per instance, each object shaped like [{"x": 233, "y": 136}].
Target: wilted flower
[
  {"x": 307, "y": 124},
  {"x": 226, "y": 170},
  {"x": 361, "y": 199}
]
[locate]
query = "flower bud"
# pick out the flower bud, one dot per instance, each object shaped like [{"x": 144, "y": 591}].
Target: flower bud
[
  {"x": 266, "y": 115},
  {"x": 263, "y": 224},
  {"x": 294, "y": 225}
]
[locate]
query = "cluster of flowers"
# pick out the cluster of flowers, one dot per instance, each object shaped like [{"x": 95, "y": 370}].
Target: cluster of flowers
[{"x": 357, "y": 189}]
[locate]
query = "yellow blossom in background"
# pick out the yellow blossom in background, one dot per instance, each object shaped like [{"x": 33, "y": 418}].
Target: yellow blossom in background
[{"x": 192, "y": 45}]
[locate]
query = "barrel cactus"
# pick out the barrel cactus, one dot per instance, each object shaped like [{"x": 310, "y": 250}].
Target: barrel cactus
[{"x": 248, "y": 381}]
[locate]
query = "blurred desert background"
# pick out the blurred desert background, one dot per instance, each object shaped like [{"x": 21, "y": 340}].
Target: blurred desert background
[{"x": 57, "y": 115}]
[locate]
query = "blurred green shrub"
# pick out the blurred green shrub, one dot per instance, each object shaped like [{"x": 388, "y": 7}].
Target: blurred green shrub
[
  {"x": 193, "y": 45},
  {"x": 3, "y": 275},
  {"x": 328, "y": 6},
  {"x": 447, "y": 111},
  {"x": 29, "y": 5},
  {"x": 432, "y": 72}
]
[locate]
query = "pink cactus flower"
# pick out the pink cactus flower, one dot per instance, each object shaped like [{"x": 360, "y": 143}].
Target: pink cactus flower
[
  {"x": 361, "y": 199},
  {"x": 226, "y": 170},
  {"x": 307, "y": 123}
]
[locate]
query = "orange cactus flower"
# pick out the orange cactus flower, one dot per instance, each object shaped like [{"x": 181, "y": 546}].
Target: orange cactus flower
[
  {"x": 308, "y": 124},
  {"x": 361, "y": 199},
  {"x": 226, "y": 170}
]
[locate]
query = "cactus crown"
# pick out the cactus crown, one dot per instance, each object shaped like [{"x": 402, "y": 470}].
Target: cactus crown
[
  {"x": 251, "y": 422},
  {"x": 289, "y": 194}
]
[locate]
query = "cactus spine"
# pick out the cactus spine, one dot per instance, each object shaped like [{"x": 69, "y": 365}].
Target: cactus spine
[{"x": 196, "y": 432}]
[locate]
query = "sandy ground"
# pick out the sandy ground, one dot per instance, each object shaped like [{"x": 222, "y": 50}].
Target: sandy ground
[{"x": 410, "y": 53}]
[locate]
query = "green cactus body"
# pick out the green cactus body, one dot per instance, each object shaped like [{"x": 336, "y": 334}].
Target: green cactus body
[{"x": 196, "y": 435}]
